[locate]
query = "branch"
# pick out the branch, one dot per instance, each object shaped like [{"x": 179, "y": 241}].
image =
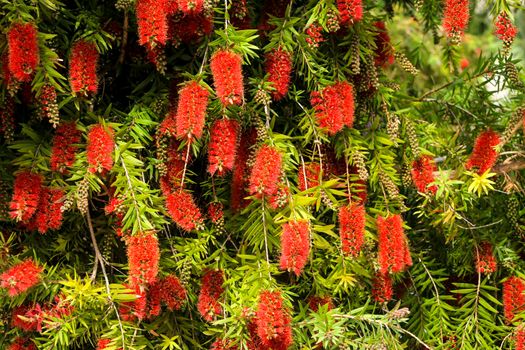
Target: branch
[{"x": 124, "y": 42}]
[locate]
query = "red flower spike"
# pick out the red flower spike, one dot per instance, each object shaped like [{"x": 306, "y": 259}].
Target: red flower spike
[
  {"x": 26, "y": 196},
  {"x": 211, "y": 290},
  {"x": 350, "y": 11},
  {"x": 295, "y": 245},
  {"x": 241, "y": 170},
  {"x": 455, "y": 18},
  {"x": 273, "y": 322},
  {"x": 308, "y": 176},
  {"x": 382, "y": 287},
  {"x": 513, "y": 297},
  {"x": 152, "y": 22},
  {"x": 315, "y": 302},
  {"x": 23, "y": 52},
  {"x": 64, "y": 147},
  {"x": 423, "y": 174},
  {"x": 136, "y": 309},
  {"x": 83, "y": 62},
  {"x": 189, "y": 29},
  {"x": 519, "y": 338},
  {"x": 314, "y": 35},
  {"x": 505, "y": 29},
  {"x": 183, "y": 210},
  {"x": 352, "y": 219},
  {"x": 103, "y": 343},
  {"x": 226, "y": 68},
  {"x": 49, "y": 213},
  {"x": 280, "y": 198},
  {"x": 334, "y": 107},
  {"x": 20, "y": 277},
  {"x": 223, "y": 344},
  {"x": 191, "y": 7},
  {"x": 484, "y": 155},
  {"x": 278, "y": 66},
  {"x": 266, "y": 171},
  {"x": 143, "y": 258},
  {"x": 215, "y": 212},
  {"x": 99, "y": 151},
  {"x": 224, "y": 137},
  {"x": 25, "y": 318},
  {"x": 191, "y": 112},
  {"x": 239, "y": 15},
  {"x": 464, "y": 63},
  {"x": 21, "y": 343},
  {"x": 485, "y": 260},
  {"x": 172, "y": 293},
  {"x": 384, "y": 53},
  {"x": 394, "y": 255}
]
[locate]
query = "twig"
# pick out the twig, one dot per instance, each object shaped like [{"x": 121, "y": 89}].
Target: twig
[{"x": 124, "y": 42}]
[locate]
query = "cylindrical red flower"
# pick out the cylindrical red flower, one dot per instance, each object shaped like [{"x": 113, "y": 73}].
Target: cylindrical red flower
[
  {"x": 314, "y": 35},
  {"x": 173, "y": 293},
  {"x": 394, "y": 255},
  {"x": 423, "y": 174},
  {"x": 334, "y": 107},
  {"x": 315, "y": 302},
  {"x": 24, "y": 55},
  {"x": 20, "y": 277},
  {"x": 26, "y": 195},
  {"x": 216, "y": 212},
  {"x": 505, "y": 30},
  {"x": 278, "y": 66},
  {"x": 27, "y": 318},
  {"x": 191, "y": 111},
  {"x": 99, "y": 150},
  {"x": 223, "y": 344},
  {"x": 266, "y": 171},
  {"x": 49, "y": 213},
  {"x": 352, "y": 219},
  {"x": 211, "y": 290},
  {"x": 136, "y": 309},
  {"x": 152, "y": 22},
  {"x": 484, "y": 155},
  {"x": 64, "y": 147},
  {"x": 308, "y": 176},
  {"x": 143, "y": 258},
  {"x": 240, "y": 173},
  {"x": 455, "y": 18},
  {"x": 485, "y": 259},
  {"x": 513, "y": 297},
  {"x": 224, "y": 137},
  {"x": 191, "y": 7},
  {"x": 382, "y": 287},
  {"x": 83, "y": 62},
  {"x": 226, "y": 68},
  {"x": 183, "y": 210},
  {"x": 519, "y": 338},
  {"x": 350, "y": 11},
  {"x": 189, "y": 28},
  {"x": 295, "y": 245},
  {"x": 384, "y": 53},
  {"x": 273, "y": 321},
  {"x": 21, "y": 343}
]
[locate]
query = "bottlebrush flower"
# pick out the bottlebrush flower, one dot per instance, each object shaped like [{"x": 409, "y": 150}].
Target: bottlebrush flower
[
  {"x": 171, "y": 180},
  {"x": 423, "y": 174},
  {"x": 505, "y": 29},
  {"x": 49, "y": 213},
  {"x": 103, "y": 343},
  {"x": 280, "y": 198},
  {"x": 382, "y": 287},
  {"x": 519, "y": 338},
  {"x": 239, "y": 15},
  {"x": 266, "y": 171},
  {"x": 455, "y": 18},
  {"x": 190, "y": 7},
  {"x": 314, "y": 35},
  {"x": 23, "y": 52},
  {"x": 143, "y": 258},
  {"x": 384, "y": 53},
  {"x": 48, "y": 104},
  {"x": 226, "y": 69},
  {"x": 394, "y": 255},
  {"x": 152, "y": 22},
  {"x": 334, "y": 107},
  {"x": 223, "y": 344},
  {"x": 26, "y": 196},
  {"x": 136, "y": 309},
  {"x": 464, "y": 63},
  {"x": 99, "y": 151},
  {"x": 20, "y": 277},
  {"x": 216, "y": 212},
  {"x": 83, "y": 62},
  {"x": 224, "y": 137},
  {"x": 240, "y": 171},
  {"x": 352, "y": 228},
  {"x": 484, "y": 155},
  {"x": 211, "y": 290},
  {"x": 173, "y": 294},
  {"x": 191, "y": 112},
  {"x": 27, "y": 318},
  {"x": 273, "y": 321},
  {"x": 295, "y": 245},
  {"x": 513, "y": 297},
  {"x": 189, "y": 28},
  {"x": 278, "y": 66},
  {"x": 316, "y": 302},
  {"x": 350, "y": 11},
  {"x": 183, "y": 210},
  {"x": 308, "y": 176},
  {"x": 485, "y": 259},
  {"x": 21, "y": 343}
]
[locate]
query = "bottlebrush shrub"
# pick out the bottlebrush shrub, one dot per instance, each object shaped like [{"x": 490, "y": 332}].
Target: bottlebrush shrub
[
  {"x": 484, "y": 155},
  {"x": 394, "y": 254},
  {"x": 26, "y": 195},
  {"x": 273, "y": 321},
  {"x": 295, "y": 245},
  {"x": 183, "y": 210},
  {"x": 266, "y": 170},
  {"x": 352, "y": 228},
  {"x": 99, "y": 150},
  {"x": 211, "y": 290},
  {"x": 423, "y": 174},
  {"x": 191, "y": 112},
  {"x": 334, "y": 107},
  {"x": 65, "y": 144},
  {"x": 23, "y": 51},
  {"x": 83, "y": 62},
  {"x": 143, "y": 258},
  {"x": 224, "y": 137},
  {"x": 20, "y": 277},
  {"x": 226, "y": 69},
  {"x": 278, "y": 66}
]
